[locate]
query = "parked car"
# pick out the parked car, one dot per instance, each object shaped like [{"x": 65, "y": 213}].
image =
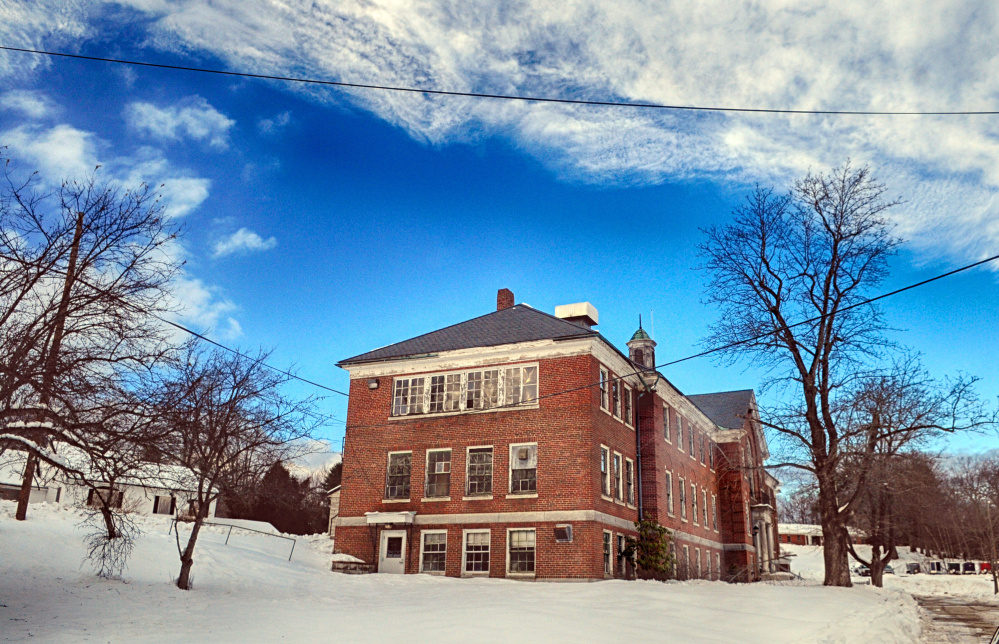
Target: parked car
[
  {"x": 954, "y": 568},
  {"x": 936, "y": 567},
  {"x": 968, "y": 568},
  {"x": 912, "y": 568},
  {"x": 862, "y": 571},
  {"x": 984, "y": 568},
  {"x": 889, "y": 570}
]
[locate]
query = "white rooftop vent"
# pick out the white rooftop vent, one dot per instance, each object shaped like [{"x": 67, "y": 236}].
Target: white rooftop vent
[{"x": 582, "y": 313}]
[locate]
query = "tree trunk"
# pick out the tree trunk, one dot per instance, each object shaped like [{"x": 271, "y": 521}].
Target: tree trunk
[
  {"x": 109, "y": 521},
  {"x": 834, "y": 539},
  {"x": 25, "y": 495},
  {"x": 187, "y": 559},
  {"x": 877, "y": 567}
]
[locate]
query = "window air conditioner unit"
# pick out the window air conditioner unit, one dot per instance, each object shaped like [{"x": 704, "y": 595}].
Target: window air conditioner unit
[
  {"x": 563, "y": 533},
  {"x": 523, "y": 453},
  {"x": 441, "y": 468}
]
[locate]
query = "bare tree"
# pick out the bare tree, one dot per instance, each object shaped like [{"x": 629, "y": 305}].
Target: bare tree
[
  {"x": 84, "y": 270},
  {"x": 227, "y": 415},
  {"x": 976, "y": 484},
  {"x": 791, "y": 275}
]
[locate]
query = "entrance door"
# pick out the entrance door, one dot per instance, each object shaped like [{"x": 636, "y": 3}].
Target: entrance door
[{"x": 392, "y": 553}]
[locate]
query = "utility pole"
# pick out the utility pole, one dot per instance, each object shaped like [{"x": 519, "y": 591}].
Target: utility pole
[{"x": 51, "y": 363}]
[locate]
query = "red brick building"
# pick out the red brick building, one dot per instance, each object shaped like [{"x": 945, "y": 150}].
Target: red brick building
[{"x": 522, "y": 444}]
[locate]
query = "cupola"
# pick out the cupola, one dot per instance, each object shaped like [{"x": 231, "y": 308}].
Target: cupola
[{"x": 642, "y": 348}]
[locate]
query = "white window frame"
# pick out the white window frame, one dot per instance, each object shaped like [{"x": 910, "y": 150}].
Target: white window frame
[
  {"x": 605, "y": 389},
  {"x": 507, "y": 548},
  {"x": 693, "y": 503},
  {"x": 691, "y": 433},
  {"x": 426, "y": 475},
  {"x": 616, "y": 386},
  {"x": 423, "y": 546},
  {"x": 630, "y": 483},
  {"x": 718, "y": 565},
  {"x": 492, "y": 477},
  {"x": 682, "y": 483},
  {"x": 714, "y": 512},
  {"x": 697, "y": 562},
  {"x": 669, "y": 494},
  {"x": 703, "y": 459},
  {"x": 627, "y": 410},
  {"x": 509, "y": 465},
  {"x": 618, "y": 482},
  {"x": 686, "y": 560},
  {"x": 609, "y": 562},
  {"x": 704, "y": 501},
  {"x": 605, "y": 477},
  {"x": 501, "y": 370},
  {"x": 679, "y": 431},
  {"x": 711, "y": 455},
  {"x": 666, "y": 424},
  {"x": 388, "y": 463},
  {"x": 464, "y": 551}
]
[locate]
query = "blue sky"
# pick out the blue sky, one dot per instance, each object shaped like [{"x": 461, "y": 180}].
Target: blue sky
[{"x": 323, "y": 224}]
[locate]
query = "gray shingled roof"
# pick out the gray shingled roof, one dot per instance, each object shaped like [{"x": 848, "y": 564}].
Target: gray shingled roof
[
  {"x": 725, "y": 408},
  {"x": 520, "y": 323}
]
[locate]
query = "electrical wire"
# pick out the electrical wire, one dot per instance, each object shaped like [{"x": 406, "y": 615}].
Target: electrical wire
[{"x": 507, "y": 97}]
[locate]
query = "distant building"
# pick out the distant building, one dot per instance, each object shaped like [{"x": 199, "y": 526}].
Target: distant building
[
  {"x": 806, "y": 534},
  {"x": 334, "y": 497},
  {"x": 525, "y": 445}
]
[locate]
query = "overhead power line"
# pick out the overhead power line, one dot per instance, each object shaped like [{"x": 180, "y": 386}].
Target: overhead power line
[{"x": 507, "y": 97}]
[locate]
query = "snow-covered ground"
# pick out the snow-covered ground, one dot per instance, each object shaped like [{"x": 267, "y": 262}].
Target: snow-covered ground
[
  {"x": 807, "y": 562},
  {"x": 249, "y": 591}
]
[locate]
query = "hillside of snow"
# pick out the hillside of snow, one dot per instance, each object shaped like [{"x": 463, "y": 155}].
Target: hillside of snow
[
  {"x": 249, "y": 591},
  {"x": 807, "y": 562}
]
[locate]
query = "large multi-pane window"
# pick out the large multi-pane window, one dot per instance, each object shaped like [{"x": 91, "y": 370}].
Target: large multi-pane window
[
  {"x": 693, "y": 501},
  {"x": 690, "y": 440},
  {"x": 666, "y": 432},
  {"x": 627, "y": 407},
  {"x": 604, "y": 471},
  {"x": 683, "y": 497},
  {"x": 465, "y": 391},
  {"x": 669, "y": 493},
  {"x": 604, "y": 394},
  {"x": 480, "y": 471},
  {"x": 523, "y": 469},
  {"x": 397, "y": 479},
  {"x": 477, "y": 552},
  {"x": 714, "y": 513},
  {"x": 711, "y": 454},
  {"x": 704, "y": 505},
  {"x": 434, "y": 551},
  {"x": 520, "y": 551},
  {"x": 608, "y": 560},
  {"x": 702, "y": 450},
  {"x": 629, "y": 481},
  {"x": 617, "y": 476},
  {"x": 679, "y": 432},
  {"x": 408, "y": 396},
  {"x": 438, "y": 473},
  {"x": 616, "y": 398}
]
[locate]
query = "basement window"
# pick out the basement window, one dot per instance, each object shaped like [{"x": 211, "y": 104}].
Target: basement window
[
  {"x": 477, "y": 552},
  {"x": 521, "y": 551},
  {"x": 434, "y": 551}
]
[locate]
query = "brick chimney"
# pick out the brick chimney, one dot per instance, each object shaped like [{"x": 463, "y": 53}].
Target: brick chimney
[{"x": 504, "y": 299}]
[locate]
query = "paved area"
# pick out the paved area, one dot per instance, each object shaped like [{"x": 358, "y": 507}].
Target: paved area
[{"x": 955, "y": 620}]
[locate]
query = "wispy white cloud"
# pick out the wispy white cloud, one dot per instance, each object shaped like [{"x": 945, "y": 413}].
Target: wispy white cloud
[
  {"x": 58, "y": 152},
  {"x": 192, "y": 118},
  {"x": 243, "y": 241},
  {"x": 858, "y": 55},
  {"x": 274, "y": 124},
  {"x": 31, "y": 103}
]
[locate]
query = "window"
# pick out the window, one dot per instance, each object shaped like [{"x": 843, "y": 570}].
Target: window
[
  {"x": 702, "y": 449},
  {"x": 617, "y": 476},
  {"x": 629, "y": 481},
  {"x": 434, "y": 551},
  {"x": 711, "y": 454},
  {"x": 718, "y": 564},
  {"x": 608, "y": 561},
  {"x": 480, "y": 471},
  {"x": 683, "y": 498},
  {"x": 436, "y": 394},
  {"x": 627, "y": 407},
  {"x": 438, "y": 473},
  {"x": 477, "y": 552},
  {"x": 686, "y": 561},
  {"x": 163, "y": 505},
  {"x": 704, "y": 504},
  {"x": 616, "y": 398},
  {"x": 520, "y": 552},
  {"x": 669, "y": 493},
  {"x": 603, "y": 389},
  {"x": 113, "y": 498},
  {"x": 523, "y": 468},
  {"x": 563, "y": 533},
  {"x": 697, "y": 563},
  {"x": 482, "y": 389},
  {"x": 520, "y": 385},
  {"x": 690, "y": 440},
  {"x": 407, "y": 397},
  {"x": 452, "y": 392},
  {"x": 666, "y": 434},
  {"x": 693, "y": 501},
  {"x": 397, "y": 480},
  {"x": 620, "y": 553},
  {"x": 604, "y": 470},
  {"x": 714, "y": 513},
  {"x": 679, "y": 432}
]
